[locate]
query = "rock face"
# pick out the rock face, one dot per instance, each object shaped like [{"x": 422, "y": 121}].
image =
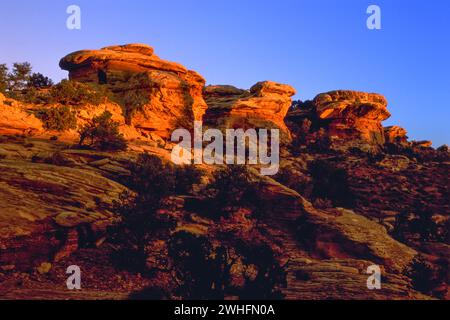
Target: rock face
[
  {"x": 263, "y": 106},
  {"x": 14, "y": 119},
  {"x": 352, "y": 115},
  {"x": 395, "y": 134},
  {"x": 157, "y": 95},
  {"x": 48, "y": 210}
]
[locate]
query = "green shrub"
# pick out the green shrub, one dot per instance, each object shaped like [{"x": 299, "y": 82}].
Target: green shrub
[
  {"x": 102, "y": 133},
  {"x": 270, "y": 275},
  {"x": 59, "y": 118},
  {"x": 232, "y": 188},
  {"x": 331, "y": 182},
  {"x": 19, "y": 76},
  {"x": 192, "y": 255},
  {"x": 38, "y": 80},
  {"x": 3, "y": 78},
  {"x": 20, "y": 80},
  {"x": 74, "y": 93}
]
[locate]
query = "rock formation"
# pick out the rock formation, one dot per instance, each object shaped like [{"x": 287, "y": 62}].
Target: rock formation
[
  {"x": 395, "y": 134},
  {"x": 350, "y": 118},
  {"x": 353, "y": 115},
  {"x": 157, "y": 96},
  {"x": 14, "y": 118},
  {"x": 263, "y": 106}
]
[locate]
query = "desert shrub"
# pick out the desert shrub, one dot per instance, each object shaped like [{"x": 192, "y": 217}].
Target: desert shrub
[
  {"x": 263, "y": 275},
  {"x": 157, "y": 178},
  {"x": 102, "y": 133},
  {"x": 74, "y": 93},
  {"x": 331, "y": 182},
  {"x": 232, "y": 188},
  {"x": 34, "y": 96},
  {"x": 38, "y": 80},
  {"x": 59, "y": 118},
  {"x": 427, "y": 276},
  {"x": 192, "y": 255},
  {"x": 3, "y": 78},
  {"x": 152, "y": 180}
]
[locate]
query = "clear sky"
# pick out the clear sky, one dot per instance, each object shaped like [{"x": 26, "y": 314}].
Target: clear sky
[{"x": 313, "y": 45}]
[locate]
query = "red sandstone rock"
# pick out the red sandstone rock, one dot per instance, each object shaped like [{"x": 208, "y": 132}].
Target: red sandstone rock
[
  {"x": 353, "y": 115},
  {"x": 395, "y": 134},
  {"x": 158, "y": 96},
  {"x": 15, "y": 119},
  {"x": 264, "y": 106}
]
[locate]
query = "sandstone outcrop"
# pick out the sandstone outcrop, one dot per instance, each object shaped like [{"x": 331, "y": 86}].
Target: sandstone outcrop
[
  {"x": 395, "y": 134},
  {"x": 263, "y": 106},
  {"x": 157, "y": 96},
  {"x": 352, "y": 115},
  {"x": 14, "y": 118}
]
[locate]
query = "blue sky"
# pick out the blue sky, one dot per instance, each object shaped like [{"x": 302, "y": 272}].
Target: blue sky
[{"x": 313, "y": 45}]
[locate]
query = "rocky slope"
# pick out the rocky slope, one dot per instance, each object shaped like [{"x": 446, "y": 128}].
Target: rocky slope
[{"x": 350, "y": 193}]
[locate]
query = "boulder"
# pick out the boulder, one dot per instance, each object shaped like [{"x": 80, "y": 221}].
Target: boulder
[
  {"x": 263, "y": 106},
  {"x": 156, "y": 95}
]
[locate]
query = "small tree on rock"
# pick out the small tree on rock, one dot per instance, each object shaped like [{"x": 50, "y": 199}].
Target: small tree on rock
[{"x": 102, "y": 133}]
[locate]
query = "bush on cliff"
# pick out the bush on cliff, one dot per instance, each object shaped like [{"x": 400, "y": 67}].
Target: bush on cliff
[
  {"x": 232, "y": 188},
  {"x": 102, "y": 133},
  {"x": 331, "y": 182},
  {"x": 74, "y": 93},
  {"x": 59, "y": 119}
]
